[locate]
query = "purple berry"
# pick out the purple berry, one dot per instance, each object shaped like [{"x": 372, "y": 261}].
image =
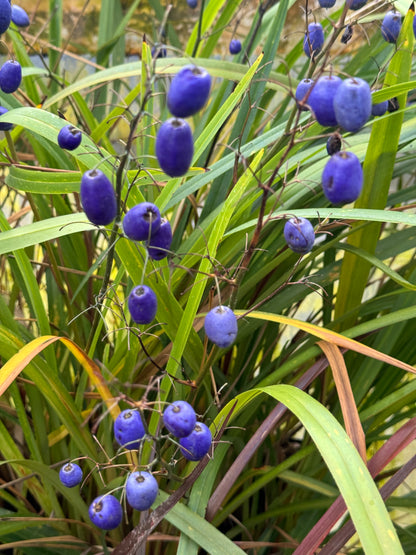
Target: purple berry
[
  {"x": 141, "y": 490},
  {"x": 106, "y": 512},
  {"x": 299, "y": 235},
  {"x": 390, "y": 27},
  {"x": 3, "y": 125},
  {"x": 333, "y": 144},
  {"x": 347, "y": 34},
  {"x": 188, "y": 91},
  {"x": 195, "y": 446},
  {"x": 98, "y": 197},
  {"x": 221, "y": 326},
  {"x": 352, "y": 104},
  {"x": 160, "y": 241},
  {"x": 321, "y": 99},
  {"x": 380, "y": 108},
  {"x": 10, "y": 76},
  {"x": 179, "y": 418},
  {"x": 19, "y": 16},
  {"x": 327, "y": 3},
  {"x": 356, "y": 4},
  {"x": 235, "y": 46},
  {"x": 129, "y": 429},
  {"x": 314, "y": 39},
  {"x": 70, "y": 474},
  {"x": 174, "y": 147},
  {"x": 69, "y": 137},
  {"x": 342, "y": 178},
  {"x": 192, "y": 3},
  {"x": 141, "y": 221},
  {"x": 142, "y": 303},
  {"x": 301, "y": 92},
  {"x": 5, "y": 15}
]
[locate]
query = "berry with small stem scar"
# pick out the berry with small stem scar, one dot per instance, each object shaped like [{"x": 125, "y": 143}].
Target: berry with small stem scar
[
  {"x": 98, "y": 197},
  {"x": 299, "y": 235},
  {"x": 141, "y": 221},
  {"x": 142, "y": 304},
  {"x": 188, "y": 91},
  {"x": 69, "y": 137},
  {"x": 106, "y": 512},
  {"x": 179, "y": 418},
  {"x": 195, "y": 446},
  {"x": 174, "y": 147},
  {"x": 141, "y": 490},
  {"x": 221, "y": 326},
  {"x": 301, "y": 92},
  {"x": 342, "y": 178},
  {"x": 129, "y": 429},
  {"x": 70, "y": 474}
]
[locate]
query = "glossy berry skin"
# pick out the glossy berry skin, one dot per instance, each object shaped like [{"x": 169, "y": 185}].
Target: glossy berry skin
[
  {"x": 98, "y": 198},
  {"x": 235, "y": 46},
  {"x": 106, "y": 512},
  {"x": 69, "y": 137},
  {"x": 179, "y": 418},
  {"x": 192, "y": 3},
  {"x": 333, "y": 144},
  {"x": 195, "y": 446},
  {"x": 5, "y": 15},
  {"x": 160, "y": 241},
  {"x": 302, "y": 90},
  {"x": 188, "y": 91},
  {"x": 10, "y": 76},
  {"x": 19, "y": 16},
  {"x": 390, "y": 27},
  {"x": 342, "y": 178},
  {"x": 3, "y": 125},
  {"x": 221, "y": 326},
  {"x": 128, "y": 429},
  {"x": 299, "y": 235},
  {"x": 352, "y": 104},
  {"x": 380, "y": 108},
  {"x": 321, "y": 99},
  {"x": 356, "y": 4},
  {"x": 70, "y": 474},
  {"x": 142, "y": 303},
  {"x": 347, "y": 34},
  {"x": 174, "y": 147},
  {"x": 314, "y": 39},
  {"x": 141, "y": 221},
  {"x": 141, "y": 490}
]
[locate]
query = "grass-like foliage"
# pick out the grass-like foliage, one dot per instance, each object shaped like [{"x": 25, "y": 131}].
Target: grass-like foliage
[{"x": 312, "y": 407}]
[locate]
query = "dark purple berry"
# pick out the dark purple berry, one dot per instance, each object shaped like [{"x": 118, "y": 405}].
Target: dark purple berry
[
  {"x": 314, "y": 39},
  {"x": 141, "y": 490},
  {"x": 159, "y": 51},
  {"x": 174, "y": 147},
  {"x": 195, "y": 446},
  {"x": 69, "y": 137},
  {"x": 380, "y": 108},
  {"x": 393, "y": 104},
  {"x": 129, "y": 429},
  {"x": 321, "y": 99},
  {"x": 342, "y": 178},
  {"x": 142, "y": 303},
  {"x": 160, "y": 241},
  {"x": 5, "y": 15},
  {"x": 98, "y": 197},
  {"x": 356, "y": 4},
  {"x": 3, "y": 125},
  {"x": 70, "y": 474},
  {"x": 179, "y": 418},
  {"x": 106, "y": 512},
  {"x": 141, "y": 221},
  {"x": 221, "y": 326},
  {"x": 235, "y": 46},
  {"x": 347, "y": 34},
  {"x": 299, "y": 235},
  {"x": 10, "y": 76},
  {"x": 327, "y": 3},
  {"x": 301, "y": 92},
  {"x": 391, "y": 25},
  {"x": 19, "y": 16},
  {"x": 188, "y": 91},
  {"x": 333, "y": 144},
  {"x": 192, "y": 3},
  {"x": 352, "y": 104}
]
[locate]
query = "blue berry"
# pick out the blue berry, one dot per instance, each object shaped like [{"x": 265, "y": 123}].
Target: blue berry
[
  {"x": 192, "y": 3},
  {"x": 314, "y": 39},
  {"x": 179, "y": 418},
  {"x": 333, "y": 144},
  {"x": 301, "y": 92},
  {"x": 327, "y": 3},
  {"x": 141, "y": 490},
  {"x": 10, "y": 76},
  {"x": 235, "y": 46},
  {"x": 19, "y": 16},
  {"x": 221, "y": 326},
  {"x": 342, "y": 178},
  {"x": 174, "y": 147},
  {"x": 188, "y": 91},
  {"x": 356, "y": 4},
  {"x": 347, "y": 34},
  {"x": 321, "y": 99},
  {"x": 106, "y": 512},
  {"x": 69, "y": 137},
  {"x": 141, "y": 221},
  {"x": 352, "y": 104},
  {"x": 5, "y": 15},
  {"x": 98, "y": 198},
  {"x": 142, "y": 303},
  {"x": 70, "y": 474},
  {"x": 380, "y": 108},
  {"x": 3, "y": 125},
  {"x": 195, "y": 446},
  {"x": 299, "y": 235},
  {"x": 160, "y": 241},
  {"x": 390, "y": 27},
  {"x": 129, "y": 429}
]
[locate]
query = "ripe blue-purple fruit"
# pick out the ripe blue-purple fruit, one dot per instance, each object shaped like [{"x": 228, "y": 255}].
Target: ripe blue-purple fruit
[
  {"x": 342, "y": 178},
  {"x": 321, "y": 99},
  {"x": 129, "y": 429},
  {"x": 301, "y": 92},
  {"x": 10, "y": 76},
  {"x": 3, "y": 125},
  {"x": 179, "y": 418},
  {"x": 19, "y": 16},
  {"x": 352, "y": 104},
  {"x": 356, "y": 4},
  {"x": 314, "y": 39},
  {"x": 347, "y": 34},
  {"x": 379, "y": 108},
  {"x": 299, "y": 235},
  {"x": 174, "y": 147},
  {"x": 98, "y": 198},
  {"x": 327, "y": 3},
  {"x": 333, "y": 144},
  {"x": 5, "y": 15},
  {"x": 235, "y": 46},
  {"x": 106, "y": 512},
  {"x": 141, "y": 221},
  {"x": 70, "y": 474},
  {"x": 141, "y": 490},
  {"x": 390, "y": 27},
  {"x": 142, "y": 303},
  {"x": 69, "y": 137},
  {"x": 159, "y": 244},
  {"x": 221, "y": 326},
  {"x": 192, "y": 3},
  {"x": 188, "y": 91},
  {"x": 195, "y": 446}
]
